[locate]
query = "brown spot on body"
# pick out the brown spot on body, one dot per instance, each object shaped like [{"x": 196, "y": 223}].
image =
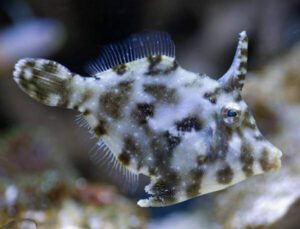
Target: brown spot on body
[
  {"x": 225, "y": 175},
  {"x": 111, "y": 103},
  {"x": 86, "y": 95},
  {"x": 188, "y": 124},
  {"x": 86, "y": 112},
  {"x": 130, "y": 150},
  {"x": 173, "y": 141},
  {"x": 120, "y": 69},
  {"x": 161, "y": 93},
  {"x": 212, "y": 156},
  {"x": 142, "y": 112},
  {"x": 247, "y": 159},
  {"x": 194, "y": 182},
  {"x": 124, "y": 158},
  {"x": 165, "y": 189},
  {"x": 212, "y": 96},
  {"x": 247, "y": 123},
  {"x": 100, "y": 129},
  {"x": 153, "y": 62},
  {"x": 153, "y": 69},
  {"x": 244, "y": 52},
  {"x": 162, "y": 146},
  {"x": 243, "y": 65},
  {"x": 228, "y": 132},
  {"x": 264, "y": 161},
  {"x": 163, "y": 193},
  {"x": 219, "y": 147},
  {"x": 170, "y": 69},
  {"x": 161, "y": 152},
  {"x": 152, "y": 171},
  {"x": 201, "y": 159},
  {"x": 238, "y": 97},
  {"x": 114, "y": 100}
]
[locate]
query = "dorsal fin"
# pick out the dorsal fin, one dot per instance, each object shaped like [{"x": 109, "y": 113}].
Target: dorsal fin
[{"x": 137, "y": 46}]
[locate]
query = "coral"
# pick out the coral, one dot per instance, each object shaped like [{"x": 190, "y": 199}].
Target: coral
[{"x": 40, "y": 189}]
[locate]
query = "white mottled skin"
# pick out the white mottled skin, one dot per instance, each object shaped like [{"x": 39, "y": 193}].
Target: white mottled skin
[{"x": 191, "y": 89}]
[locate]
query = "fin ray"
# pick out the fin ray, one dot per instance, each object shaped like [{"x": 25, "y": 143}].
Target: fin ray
[
  {"x": 104, "y": 158},
  {"x": 137, "y": 46}
]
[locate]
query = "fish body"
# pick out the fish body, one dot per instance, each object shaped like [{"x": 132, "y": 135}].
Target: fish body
[{"x": 189, "y": 133}]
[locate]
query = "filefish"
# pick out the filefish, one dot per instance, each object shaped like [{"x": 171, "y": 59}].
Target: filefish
[{"x": 189, "y": 133}]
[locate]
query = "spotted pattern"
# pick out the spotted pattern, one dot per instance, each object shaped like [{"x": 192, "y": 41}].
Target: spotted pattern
[
  {"x": 247, "y": 123},
  {"x": 124, "y": 158},
  {"x": 247, "y": 159},
  {"x": 120, "y": 69},
  {"x": 171, "y": 69},
  {"x": 266, "y": 165},
  {"x": 194, "y": 182},
  {"x": 188, "y": 124},
  {"x": 161, "y": 93},
  {"x": 212, "y": 96},
  {"x": 165, "y": 189},
  {"x": 86, "y": 95},
  {"x": 225, "y": 175},
  {"x": 219, "y": 150},
  {"x": 131, "y": 150},
  {"x": 154, "y": 70},
  {"x": 100, "y": 129},
  {"x": 113, "y": 101},
  {"x": 172, "y": 141},
  {"x": 142, "y": 112},
  {"x": 86, "y": 112},
  {"x": 153, "y": 62}
]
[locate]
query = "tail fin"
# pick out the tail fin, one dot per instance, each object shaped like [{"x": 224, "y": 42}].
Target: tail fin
[{"x": 44, "y": 80}]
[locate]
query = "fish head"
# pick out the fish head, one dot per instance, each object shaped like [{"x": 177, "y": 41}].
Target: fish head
[
  {"x": 236, "y": 140},
  {"x": 235, "y": 137}
]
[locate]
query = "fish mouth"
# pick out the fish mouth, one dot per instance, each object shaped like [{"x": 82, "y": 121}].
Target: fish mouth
[{"x": 277, "y": 159}]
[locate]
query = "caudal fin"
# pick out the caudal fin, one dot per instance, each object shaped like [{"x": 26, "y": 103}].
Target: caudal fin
[{"x": 44, "y": 80}]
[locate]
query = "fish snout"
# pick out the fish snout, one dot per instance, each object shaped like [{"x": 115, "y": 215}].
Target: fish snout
[{"x": 270, "y": 158}]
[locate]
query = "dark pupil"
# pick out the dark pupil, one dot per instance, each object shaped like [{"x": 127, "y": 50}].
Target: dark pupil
[{"x": 231, "y": 113}]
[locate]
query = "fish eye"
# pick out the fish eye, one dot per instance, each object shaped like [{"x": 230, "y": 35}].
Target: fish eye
[{"x": 231, "y": 114}]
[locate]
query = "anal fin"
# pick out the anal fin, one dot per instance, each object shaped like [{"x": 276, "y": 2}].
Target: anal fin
[{"x": 104, "y": 157}]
